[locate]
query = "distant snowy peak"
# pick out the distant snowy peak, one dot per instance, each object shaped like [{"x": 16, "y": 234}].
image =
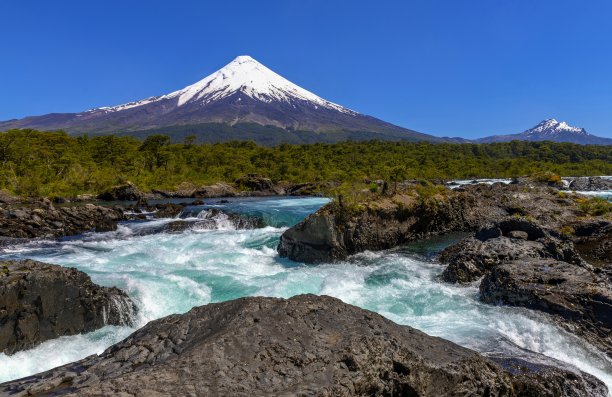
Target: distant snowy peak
[
  {"x": 243, "y": 75},
  {"x": 552, "y": 130},
  {"x": 552, "y": 127}
]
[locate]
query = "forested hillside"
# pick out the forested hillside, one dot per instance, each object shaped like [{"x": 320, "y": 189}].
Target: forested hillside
[{"x": 37, "y": 163}]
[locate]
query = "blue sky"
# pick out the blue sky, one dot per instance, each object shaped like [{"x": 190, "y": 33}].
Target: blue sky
[{"x": 449, "y": 68}]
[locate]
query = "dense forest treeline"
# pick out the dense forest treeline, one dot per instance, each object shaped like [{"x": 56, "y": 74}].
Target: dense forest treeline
[{"x": 34, "y": 163}]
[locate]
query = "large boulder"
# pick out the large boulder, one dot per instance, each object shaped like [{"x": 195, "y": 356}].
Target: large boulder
[
  {"x": 254, "y": 182},
  {"x": 39, "y": 302},
  {"x": 507, "y": 240},
  {"x": 125, "y": 192},
  {"x": 215, "y": 190},
  {"x": 578, "y": 297},
  {"x": 305, "y": 346}
]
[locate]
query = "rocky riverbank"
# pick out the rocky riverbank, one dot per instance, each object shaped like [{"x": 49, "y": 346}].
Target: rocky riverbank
[
  {"x": 384, "y": 221},
  {"x": 39, "y": 302},
  {"x": 306, "y": 345},
  {"x": 41, "y": 218}
]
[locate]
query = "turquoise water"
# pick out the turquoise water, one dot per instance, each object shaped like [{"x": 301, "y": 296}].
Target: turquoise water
[{"x": 171, "y": 273}]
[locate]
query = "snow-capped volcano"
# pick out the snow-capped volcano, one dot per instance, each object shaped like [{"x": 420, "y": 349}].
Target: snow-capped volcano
[
  {"x": 243, "y": 75},
  {"x": 243, "y": 93},
  {"x": 552, "y": 130}
]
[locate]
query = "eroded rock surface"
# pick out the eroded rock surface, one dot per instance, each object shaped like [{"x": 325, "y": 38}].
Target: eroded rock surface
[
  {"x": 39, "y": 302},
  {"x": 507, "y": 240},
  {"x": 307, "y": 346}
]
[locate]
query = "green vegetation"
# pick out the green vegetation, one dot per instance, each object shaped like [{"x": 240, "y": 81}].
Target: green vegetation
[
  {"x": 595, "y": 206},
  {"x": 36, "y": 163}
]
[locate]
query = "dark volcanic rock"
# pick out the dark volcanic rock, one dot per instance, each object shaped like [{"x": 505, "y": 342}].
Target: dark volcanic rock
[
  {"x": 578, "y": 297},
  {"x": 255, "y": 182},
  {"x": 39, "y": 301},
  {"x": 168, "y": 210},
  {"x": 306, "y": 346},
  {"x": 335, "y": 231},
  {"x": 44, "y": 220},
  {"x": 590, "y": 183},
  {"x": 593, "y": 240},
  {"x": 127, "y": 192},
  {"x": 510, "y": 239}
]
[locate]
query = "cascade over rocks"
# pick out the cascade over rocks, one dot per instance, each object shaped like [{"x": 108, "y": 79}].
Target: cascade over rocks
[
  {"x": 306, "y": 345},
  {"x": 39, "y": 302},
  {"x": 580, "y": 299}
]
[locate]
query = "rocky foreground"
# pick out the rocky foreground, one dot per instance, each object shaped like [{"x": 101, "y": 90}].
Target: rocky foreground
[
  {"x": 39, "y": 302},
  {"x": 307, "y": 345}
]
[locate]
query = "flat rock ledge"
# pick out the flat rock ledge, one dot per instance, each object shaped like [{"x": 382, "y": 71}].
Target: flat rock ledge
[
  {"x": 304, "y": 346},
  {"x": 39, "y": 302}
]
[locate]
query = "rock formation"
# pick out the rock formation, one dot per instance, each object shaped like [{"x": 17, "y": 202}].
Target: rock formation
[
  {"x": 39, "y": 302},
  {"x": 42, "y": 219}
]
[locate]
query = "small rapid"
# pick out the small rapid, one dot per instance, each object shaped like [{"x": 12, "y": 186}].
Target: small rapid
[{"x": 167, "y": 273}]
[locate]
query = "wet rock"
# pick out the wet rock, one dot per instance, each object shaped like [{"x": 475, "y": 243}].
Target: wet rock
[
  {"x": 126, "y": 192},
  {"x": 45, "y": 220},
  {"x": 39, "y": 302},
  {"x": 168, "y": 210},
  {"x": 579, "y": 298},
  {"x": 176, "y": 226},
  {"x": 514, "y": 239},
  {"x": 306, "y": 345}
]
